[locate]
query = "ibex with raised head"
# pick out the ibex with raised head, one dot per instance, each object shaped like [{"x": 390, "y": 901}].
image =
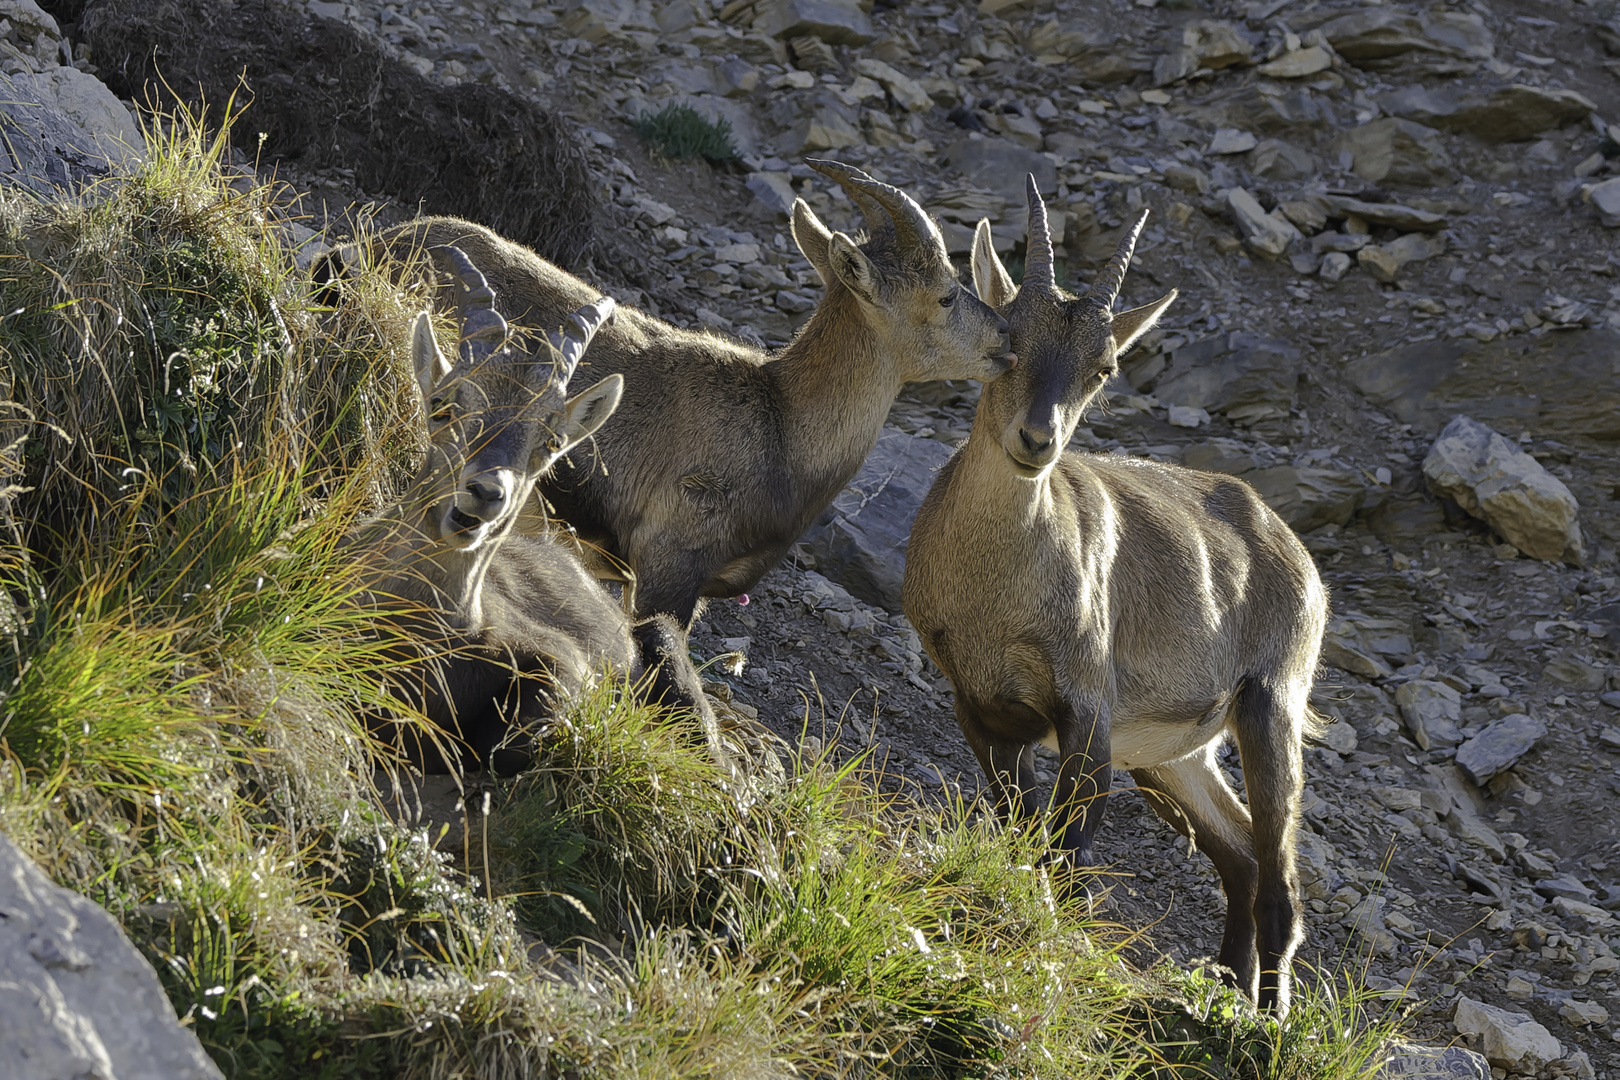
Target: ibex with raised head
[
  {"x": 506, "y": 625},
  {"x": 721, "y": 455},
  {"x": 1134, "y": 613}
]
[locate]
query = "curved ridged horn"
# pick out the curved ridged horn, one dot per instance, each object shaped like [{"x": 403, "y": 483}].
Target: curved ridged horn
[
  {"x": 1040, "y": 268},
  {"x": 475, "y": 303},
  {"x": 912, "y": 225},
  {"x": 572, "y": 341},
  {"x": 846, "y": 177},
  {"x": 1105, "y": 290}
]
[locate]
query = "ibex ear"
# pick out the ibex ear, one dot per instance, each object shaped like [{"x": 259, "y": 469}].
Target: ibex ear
[
  {"x": 589, "y": 410},
  {"x": 1132, "y": 324},
  {"x": 812, "y": 237},
  {"x": 990, "y": 279},
  {"x": 430, "y": 364},
  {"x": 852, "y": 268}
]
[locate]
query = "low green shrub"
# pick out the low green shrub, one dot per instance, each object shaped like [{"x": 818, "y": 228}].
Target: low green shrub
[{"x": 680, "y": 132}]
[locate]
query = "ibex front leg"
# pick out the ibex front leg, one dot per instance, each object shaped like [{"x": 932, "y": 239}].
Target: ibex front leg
[{"x": 1084, "y": 777}]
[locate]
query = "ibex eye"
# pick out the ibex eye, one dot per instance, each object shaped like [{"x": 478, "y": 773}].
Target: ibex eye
[
  {"x": 441, "y": 410},
  {"x": 947, "y": 301}
]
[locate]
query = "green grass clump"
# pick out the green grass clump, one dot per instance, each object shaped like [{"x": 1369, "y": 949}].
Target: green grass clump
[
  {"x": 189, "y": 659},
  {"x": 680, "y": 132}
]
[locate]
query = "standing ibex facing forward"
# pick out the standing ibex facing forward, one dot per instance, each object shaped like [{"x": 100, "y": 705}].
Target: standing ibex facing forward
[
  {"x": 503, "y": 626},
  {"x": 721, "y": 455},
  {"x": 1134, "y": 613}
]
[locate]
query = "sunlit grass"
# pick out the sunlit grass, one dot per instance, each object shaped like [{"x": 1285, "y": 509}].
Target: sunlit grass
[{"x": 190, "y": 656}]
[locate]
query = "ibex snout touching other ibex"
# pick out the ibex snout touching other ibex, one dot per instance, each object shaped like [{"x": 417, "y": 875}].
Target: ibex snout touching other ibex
[
  {"x": 721, "y": 455},
  {"x": 1134, "y": 614},
  {"x": 505, "y": 624}
]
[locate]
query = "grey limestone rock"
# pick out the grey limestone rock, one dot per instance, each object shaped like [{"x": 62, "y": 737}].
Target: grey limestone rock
[
  {"x": 1496, "y": 748},
  {"x": 860, "y": 541},
  {"x": 1396, "y": 151},
  {"x": 1409, "y": 1061},
  {"x": 77, "y": 1001},
  {"x": 1509, "y": 113},
  {"x": 1432, "y": 711},
  {"x": 1512, "y": 1040},
  {"x": 1246, "y": 376},
  {"x": 1511, "y": 491}
]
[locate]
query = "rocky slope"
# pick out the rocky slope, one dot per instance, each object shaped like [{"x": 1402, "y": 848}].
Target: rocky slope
[{"x": 1380, "y": 216}]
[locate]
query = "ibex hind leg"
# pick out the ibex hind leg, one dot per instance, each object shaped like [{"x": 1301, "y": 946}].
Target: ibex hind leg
[
  {"x": 1270, "y": 719},
  {"x": 1192, "y": 795}
]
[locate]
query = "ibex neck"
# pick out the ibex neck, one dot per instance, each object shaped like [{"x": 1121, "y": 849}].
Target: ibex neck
[
  {"x": 422, "y": 569},
  {"x": 836, "y": 385},
  {"x": 996, "y": 484}
]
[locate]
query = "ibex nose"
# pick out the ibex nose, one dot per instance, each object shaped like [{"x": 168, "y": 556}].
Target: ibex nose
[
  {"x": 486, "y": 492},
  {"x": 1035, "y": 440}
]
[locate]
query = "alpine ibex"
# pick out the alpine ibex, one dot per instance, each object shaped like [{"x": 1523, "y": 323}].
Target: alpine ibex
[
  {"x": 721, "y": 454},
  {"x": 505, "y": 624},
  {"x": 1135, "y": 614}
]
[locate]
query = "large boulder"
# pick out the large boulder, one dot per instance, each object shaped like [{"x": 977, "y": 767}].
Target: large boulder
[
  {"x": 1390, "y": 38},
  {"x": 1556, "y": 385},
  {"x": 1509, "y": 113},
  {"x": 838, "y": 22},
  {"x": 1511, "y": 1040},
  {"x": 860, "y": 540},
  {"x": 77, "y": 1000},
  {"x": 1246, "y": 376},
  {"x": 1508, "y": 489},
  {"x": 1308, "y": 498},
  {"x": 1396, "y": 151},
  {"x": 63, "y": 129},
  {"x": 328, "y": 95},
  {"x": 1432, "y": 711}
]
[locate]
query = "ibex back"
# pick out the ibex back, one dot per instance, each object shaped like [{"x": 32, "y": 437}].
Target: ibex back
[
  {"x": 503, "y": 627},
  {"x": 1136, "y": 614},
  {"x": 721, "y": 455}
]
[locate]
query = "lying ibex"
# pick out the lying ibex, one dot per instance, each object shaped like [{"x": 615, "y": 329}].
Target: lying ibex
[
  {"x": 1134, "y": 613},
  {"x": 507, "y": 624},
  {"x": 721, "y": 455}
]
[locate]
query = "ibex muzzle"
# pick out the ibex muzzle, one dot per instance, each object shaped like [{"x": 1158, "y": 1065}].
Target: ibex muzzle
[
  {"x": 1134, "y": 614},
  {"x": 496, "y": 417}
]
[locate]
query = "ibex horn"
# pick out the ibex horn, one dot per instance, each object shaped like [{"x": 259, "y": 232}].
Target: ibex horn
[
  {"x": 475, "y": 302},
  {"x": 846, "y": 177},
  {"x": 1039, "y": 266},
  {"x": 912, "y": 225},
  {"x": 572, "y": 341},
  {"x": 1106, "y": 288}
]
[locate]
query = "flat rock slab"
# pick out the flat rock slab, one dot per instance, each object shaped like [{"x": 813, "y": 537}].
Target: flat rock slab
[
  {"x": 1555, "y": 385},
  {"x": 1499, "y": 746},
  {"x": 1511, "y": 491},
  {"x": 76, "y": 997},
  {"x": 1509, "y": 113},
  {"x": 860, "y": 540},
  {"x": 1408, "y": 1061}
]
